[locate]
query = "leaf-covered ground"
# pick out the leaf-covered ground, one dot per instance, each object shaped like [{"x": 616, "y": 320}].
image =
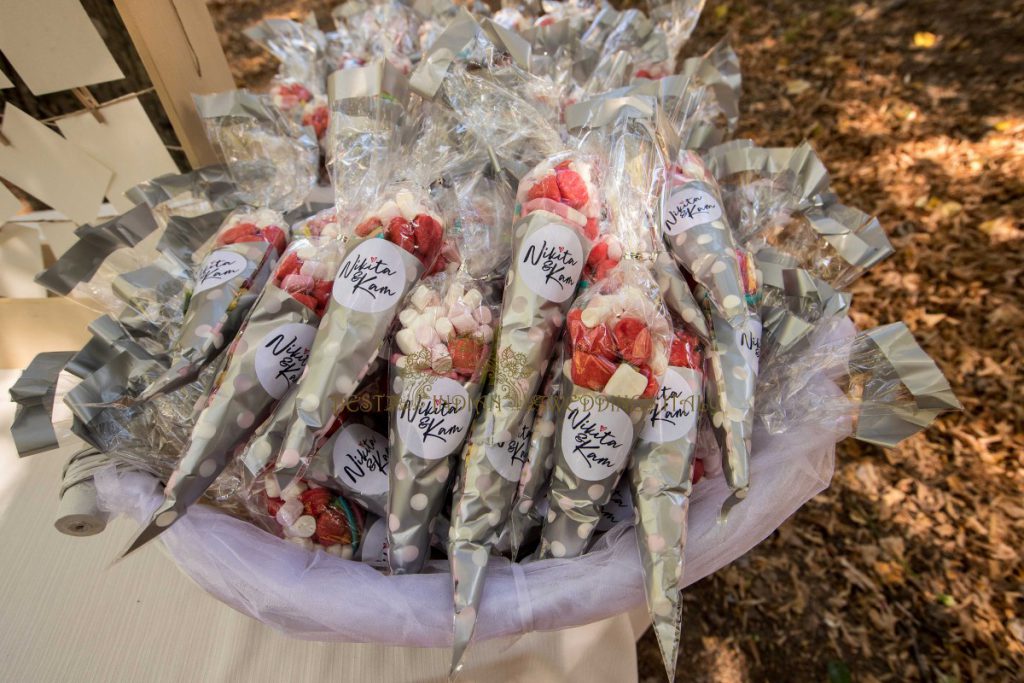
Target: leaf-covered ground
[{"x": 909, "y": 566}]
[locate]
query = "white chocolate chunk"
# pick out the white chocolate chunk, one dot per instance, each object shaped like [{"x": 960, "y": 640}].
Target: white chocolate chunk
[
  {"x": 626, "y": 383},
  {"x": 407, "y": 204},
  {"x": 593, "y": 315}
]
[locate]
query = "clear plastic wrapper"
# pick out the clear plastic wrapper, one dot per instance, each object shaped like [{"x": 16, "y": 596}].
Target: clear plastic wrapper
[
  {"x": 311, "y": 516},
  {"x": 190, "y": 194},
  {"x": 889, "y": 388},
  {"x": 356, "y": 458},
  {"x": 442, "y": 350},
  {"x": 395, "y": 243},
  {"x": 528, "y": 512},
  {"x": 300, "y": 48},
  {"x": 661, "y": 470},
  {"x": 734, "y": 361},
  {"x": 273, "y": 162},
  {"x": 617, "y": 344},
  {"x": 226, "y": 284},
  {"x": 265, "y": 359},
  {"x": 699, "y": 236}
]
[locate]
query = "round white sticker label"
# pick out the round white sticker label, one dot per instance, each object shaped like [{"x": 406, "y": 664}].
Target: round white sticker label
[
  {"x": 371, "y": 278},
  {"x": 596, "y": 438},
  {"x": 750, "y": 344},
  {"x": 675, "y": 410},
  {"x": 550, "y": 262},
  {"x": 282, "y": 356},
  {"x": 509, "y": 457},
  {"x": 361, "y": 460},
  {"x": 218, "y": 268},
  {"x": 688, "y": 207},
  {"x": 433, "y": 417}
]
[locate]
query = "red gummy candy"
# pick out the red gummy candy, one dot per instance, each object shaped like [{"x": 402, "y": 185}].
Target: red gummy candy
[
  {"x": 290, "y": 265},
  {"x": 574, "y": 321},
  {"x": 306, "y": 300},
  {"x": 277, "y": 237},
  {"x": 400, "y": 232},
  {"x": 652, "y": 383},
  {"x": 698, "y": 471},
  {"x": 590, "y": 371},
  {"x": 273, "y": 505},
  {"x": 322, "y": 290},
  {"x": 633, "y": 339},
  {"x": 572, "y": 187},
  {"x": 296, "y": 90},
  {"x": 317, "y": 120},
  {"x": 332, "y": 528},
  {"x": 370, "y": 225},
  {"x": 315, "y": 501},
  {"x": 683, "y": 352},
  {"x": 427, "y": 234},
  {"x": 591, "y": 230},
  {"x": 545, "y": 188},
  {"x": 595, "y": 340},
  {"x": 465, "y": 353},
  {"x": 238, "y": 233}
]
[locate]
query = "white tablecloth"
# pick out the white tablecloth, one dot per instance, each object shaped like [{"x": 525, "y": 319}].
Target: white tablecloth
[{"x": 67, "y": 615}]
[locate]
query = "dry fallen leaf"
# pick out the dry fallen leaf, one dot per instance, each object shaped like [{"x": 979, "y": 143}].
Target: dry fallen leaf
[
  {"x": 797, "y": 86},
  {"x": 925, "y": 39}
]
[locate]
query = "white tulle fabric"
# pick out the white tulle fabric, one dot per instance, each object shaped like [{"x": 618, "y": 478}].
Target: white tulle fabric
[{"x": 315, "y": 596}]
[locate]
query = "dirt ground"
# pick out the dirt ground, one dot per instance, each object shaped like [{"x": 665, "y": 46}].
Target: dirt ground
[{"x": 909, "y": 566}]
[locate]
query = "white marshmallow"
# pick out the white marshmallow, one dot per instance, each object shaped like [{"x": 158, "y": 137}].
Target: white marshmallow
[
  {"x": 293, "y": 490},
  {"x": 454, "y": 293},
  {"x": 304, "y": 527},
  {"x": 426, "y": 335},
  {"x": 420, "y": 298},
  {"x": 271, "y": 486},
  {"x": 464, "y": 323},
  {"x": 406, "y": 340},
  {"x": 388, "y": 211},
  {"x": 444, "y": 328},
  {"x": 408, "y": 317},
  {"x": 304, "y": 543},
  {"x": 626, "y": 382},
  {"x": 483, "y": 315},
  {"x": 431, "y": 314},
  {"x": 334, "y": 550},
  {"x": 289, "y": 512},
  {"x": 659, "y": 360},
  {"x": 486, "y": 332},
  {"x": 473, "y": 298}
]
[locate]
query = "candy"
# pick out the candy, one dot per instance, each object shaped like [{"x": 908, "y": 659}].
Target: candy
[
  {"x": 271, "y": 486},
  {"x": 591, "y": 371},
  {"x": 546, "y": 188},
  {"x": 440, "y": 359},
  {"x": 315, "y": 501},
  {"x": 408, "y": 316},
  {"x": 633, "y": 339},
  {"x": 572, "y": 188},
  {"x": 289, "y": 512},
  {"x": 406, "y": 340},
  {"x": 465, "y": 353},
  {"x": 464, "y": 323},
  {"x": 421, "y": 297},
  {"x": 304, "y": 527},
  {"x": 332, "y": 528},
  {"x": 444, "y": 328},
  {"x": 626, "y": 383},
  {"x": 293, "y": 490}
]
